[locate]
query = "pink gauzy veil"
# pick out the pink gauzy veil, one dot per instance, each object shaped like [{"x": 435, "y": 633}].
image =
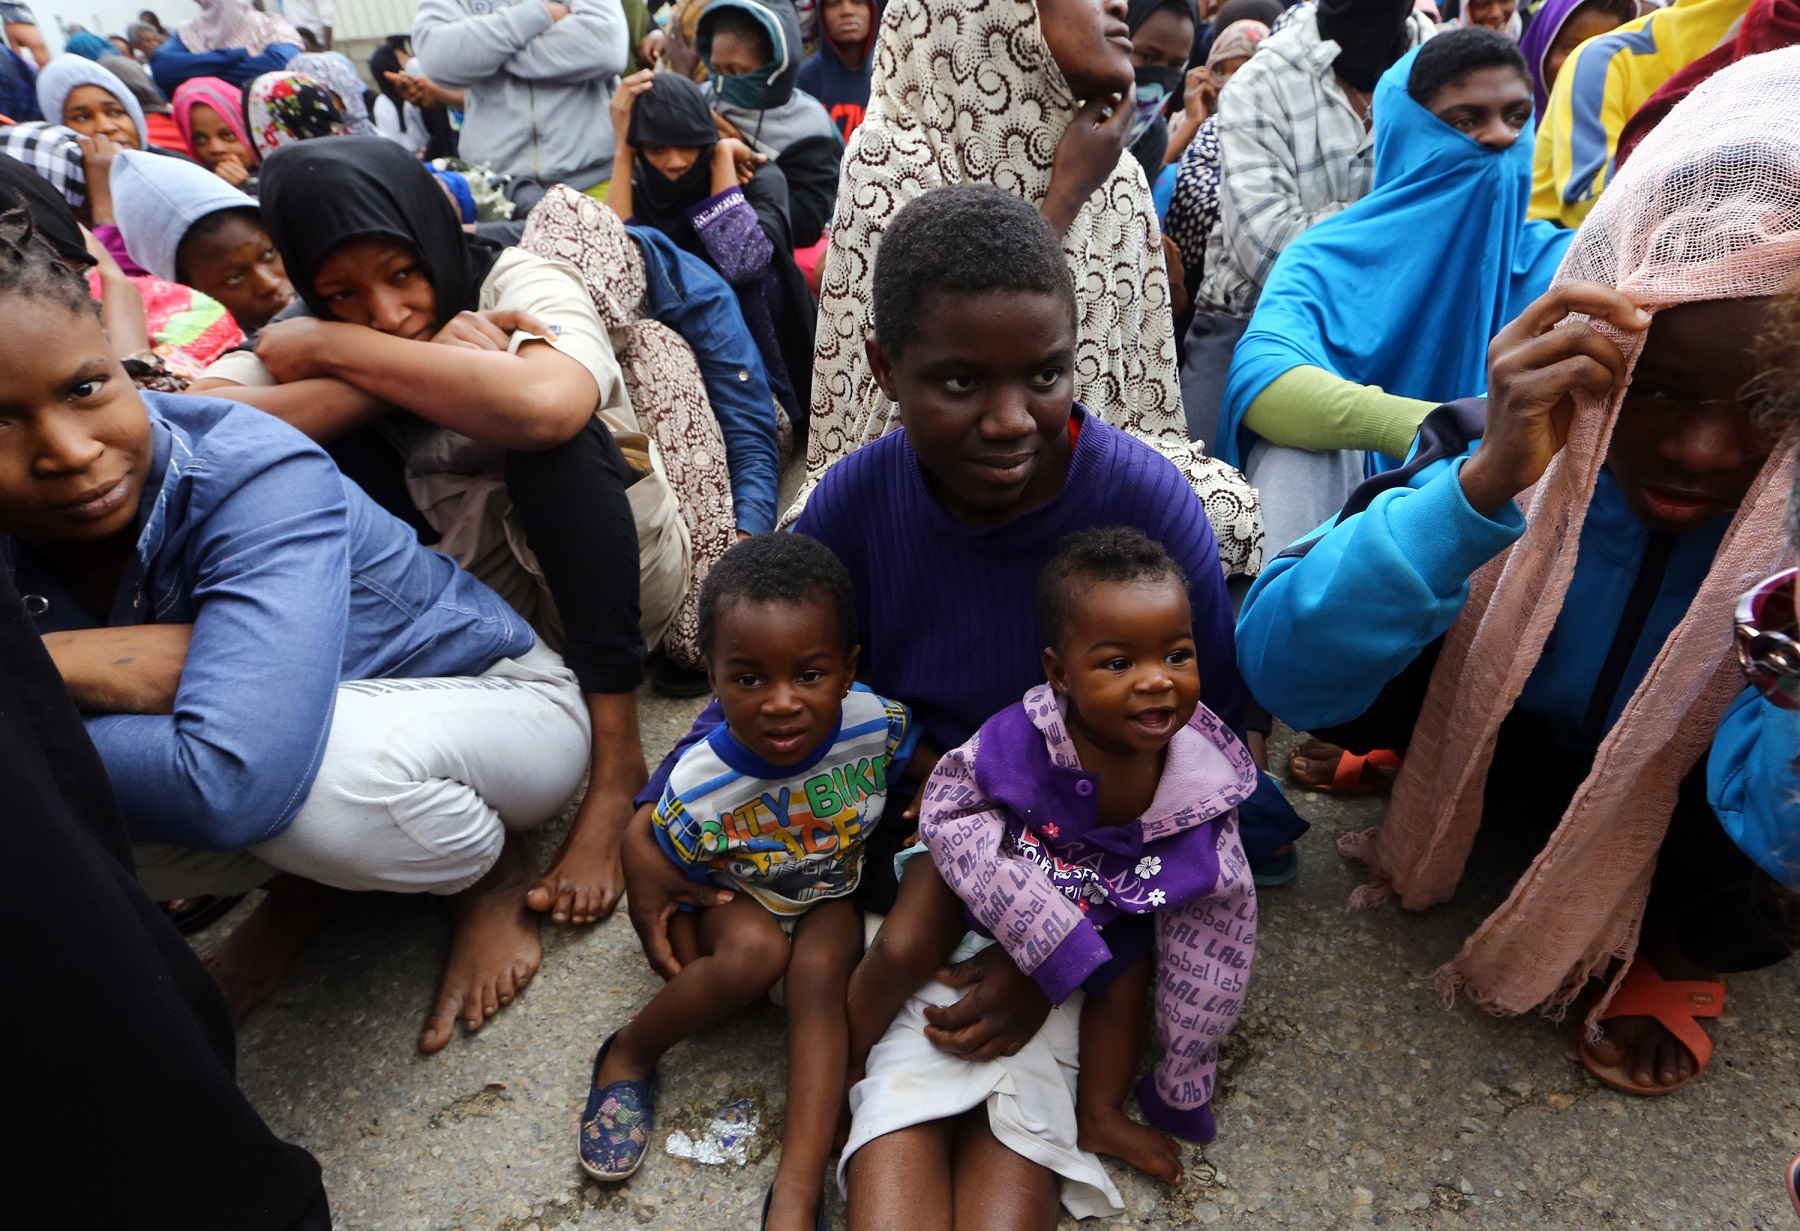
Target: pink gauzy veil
[{"x": 1708, "y": 208}]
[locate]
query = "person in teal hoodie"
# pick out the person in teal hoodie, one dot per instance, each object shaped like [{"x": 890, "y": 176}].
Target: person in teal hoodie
[
  {"x": 752, "y": 50},
  {"x": 1656, "y": 500}
]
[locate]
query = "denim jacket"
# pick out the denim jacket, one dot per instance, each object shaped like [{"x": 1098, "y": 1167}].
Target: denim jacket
[
  {"x": 688, "y": 295},
  {"x": 294, "y": 581}
]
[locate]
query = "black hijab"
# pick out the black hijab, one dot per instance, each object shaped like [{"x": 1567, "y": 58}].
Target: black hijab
[
  {"x": 51, "y": 216},
  {"x": 319, "y": 195},
  {"x": 673, "y": 111},
  {"x": 1137, "y": 12},
  {"x": 1370, "y": 34}
]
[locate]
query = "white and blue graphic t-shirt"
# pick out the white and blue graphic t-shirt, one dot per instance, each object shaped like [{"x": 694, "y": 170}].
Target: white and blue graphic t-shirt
[{"x": 789, "y": 836}]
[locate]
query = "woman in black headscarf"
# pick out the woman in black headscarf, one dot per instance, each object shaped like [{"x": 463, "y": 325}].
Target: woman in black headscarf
[
  {"x": 491, "y": 372},
  {"x": 429, "y": 133},
  {"x": 726, "y": 204},
  {"x": 1162, "y": 38}
]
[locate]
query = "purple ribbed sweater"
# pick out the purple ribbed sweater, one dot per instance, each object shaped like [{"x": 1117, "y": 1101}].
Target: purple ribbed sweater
[{"x": 948, "y": 612}]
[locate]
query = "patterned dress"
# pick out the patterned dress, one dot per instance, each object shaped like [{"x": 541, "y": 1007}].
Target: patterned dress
[
  {"x": 966, "y": 92},
  {"x": 661, "y": 377}
]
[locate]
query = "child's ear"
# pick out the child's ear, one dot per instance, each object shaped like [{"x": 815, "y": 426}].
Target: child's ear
[
  {"x": 1054, "y": 671},
  {"x": 850, "y": 666},
  {"x": 880, "y": 367}
]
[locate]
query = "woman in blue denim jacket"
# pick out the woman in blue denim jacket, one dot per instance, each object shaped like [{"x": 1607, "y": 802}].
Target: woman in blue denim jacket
[{"x": 278, "y": 677}]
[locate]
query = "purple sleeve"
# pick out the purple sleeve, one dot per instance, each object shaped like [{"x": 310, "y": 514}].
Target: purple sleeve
[
  {"x": 704, "y": 725},
  {"x": 1047, "y": 935},
  {"x": 109, "y": 236},
  {"x": 733, "y": 236}
]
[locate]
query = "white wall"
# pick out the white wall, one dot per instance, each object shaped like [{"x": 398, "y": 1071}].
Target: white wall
[{"x": 357, "y": 19}]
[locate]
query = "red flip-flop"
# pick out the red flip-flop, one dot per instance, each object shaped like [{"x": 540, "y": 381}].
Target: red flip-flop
[
  {"x": 1351, "y": 778},
  {"x": 1793, "y": 1183},
  {"x": 1676, "y": 1006}
]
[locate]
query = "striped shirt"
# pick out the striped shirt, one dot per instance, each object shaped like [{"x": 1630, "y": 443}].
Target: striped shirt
[{"x": 1292, "y": 150}]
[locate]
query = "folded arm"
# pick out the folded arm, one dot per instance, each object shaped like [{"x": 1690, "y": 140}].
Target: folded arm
[
  {"x": 1310, "y": 408},
  {"x": 173, "y": 63},
  {"x": 536, "y": 398},
  {"x": 1322, "y": 633},
  {"x": 461, "y": 49},
  {"x": 271, "y": 594},
  {"x": 591, "y": 43}
]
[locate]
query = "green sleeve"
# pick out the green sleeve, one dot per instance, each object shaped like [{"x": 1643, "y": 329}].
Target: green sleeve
[
  {"x": 1309, "y": 408},
  {"x": 637, "y": 25}
]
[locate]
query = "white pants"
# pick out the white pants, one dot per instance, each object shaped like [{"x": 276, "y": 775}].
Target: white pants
[{"x": 420, "y": 783}]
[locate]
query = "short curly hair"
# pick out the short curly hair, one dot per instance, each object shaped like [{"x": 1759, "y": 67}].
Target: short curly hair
[
  {"x": 1451, "y": 56},
  {"x": 1111, "y": 555},
  {"x": 778, "y": 567},
  {"x": 965, "y": 239}
]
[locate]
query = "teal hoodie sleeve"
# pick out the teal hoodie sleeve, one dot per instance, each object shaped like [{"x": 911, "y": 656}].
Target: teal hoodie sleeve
[
  {"x": 1753, "y": 786},
  {"x": 1333, "y": 620}
]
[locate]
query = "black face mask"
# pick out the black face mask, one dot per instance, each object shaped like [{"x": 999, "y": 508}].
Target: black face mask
[{"x": 1155, "y": 87}]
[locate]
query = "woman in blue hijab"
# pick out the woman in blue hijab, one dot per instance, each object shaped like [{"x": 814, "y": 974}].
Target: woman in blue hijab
[{"x": 1381, "y": 312}]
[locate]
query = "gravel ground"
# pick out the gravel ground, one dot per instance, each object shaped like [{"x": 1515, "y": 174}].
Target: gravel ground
[{"x": 1349, "y": 1096}]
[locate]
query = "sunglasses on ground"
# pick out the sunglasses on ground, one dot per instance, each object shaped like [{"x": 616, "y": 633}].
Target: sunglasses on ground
[{"x": 1768, "y": 639}]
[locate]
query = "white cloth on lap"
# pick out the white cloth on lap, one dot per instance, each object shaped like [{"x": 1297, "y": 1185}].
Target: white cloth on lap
[{"x": 1030, "y": 1096}]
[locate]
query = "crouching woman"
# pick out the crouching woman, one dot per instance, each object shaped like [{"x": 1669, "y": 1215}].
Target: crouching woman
[{"x": 278, "y": 677}]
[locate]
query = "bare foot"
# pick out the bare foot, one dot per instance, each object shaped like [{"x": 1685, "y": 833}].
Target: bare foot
[
  {"x": 493, "y": 953},
  {"x": 1643, "y": 1046},
  {"x": 1111, "y": 1131},
  {"x": 248, "y": 965},
  {"x": 587, "y": 877}
]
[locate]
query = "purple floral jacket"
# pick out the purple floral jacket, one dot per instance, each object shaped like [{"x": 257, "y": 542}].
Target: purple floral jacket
[{"x": 1013, "y": 824}]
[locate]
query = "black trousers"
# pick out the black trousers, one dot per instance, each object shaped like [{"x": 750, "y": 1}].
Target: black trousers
[
  {"x": 1723, "y": 911},
  {"x": 121, "y": 1109},
  {"x": 572, "y": 502}
]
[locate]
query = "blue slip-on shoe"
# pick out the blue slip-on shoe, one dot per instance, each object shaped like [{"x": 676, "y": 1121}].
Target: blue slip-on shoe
[{"x": 615, "y": 1128}]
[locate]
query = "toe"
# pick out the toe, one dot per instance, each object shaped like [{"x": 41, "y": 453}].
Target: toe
[
  {"x": 541, "y": 896},
  {"x": 440, "y": 1023}
]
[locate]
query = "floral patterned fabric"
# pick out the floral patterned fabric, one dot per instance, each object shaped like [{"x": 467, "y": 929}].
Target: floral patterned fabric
[
  {"x": 282, "y": 108},
  {"x": 1194, "y": 209},
  {"x": 662, "y": 379},
  {"x": 1012, "y": 821}
]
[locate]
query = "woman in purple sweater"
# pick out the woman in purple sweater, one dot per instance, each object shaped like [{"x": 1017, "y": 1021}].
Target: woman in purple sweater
[{"x": 944, "y": 528}]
